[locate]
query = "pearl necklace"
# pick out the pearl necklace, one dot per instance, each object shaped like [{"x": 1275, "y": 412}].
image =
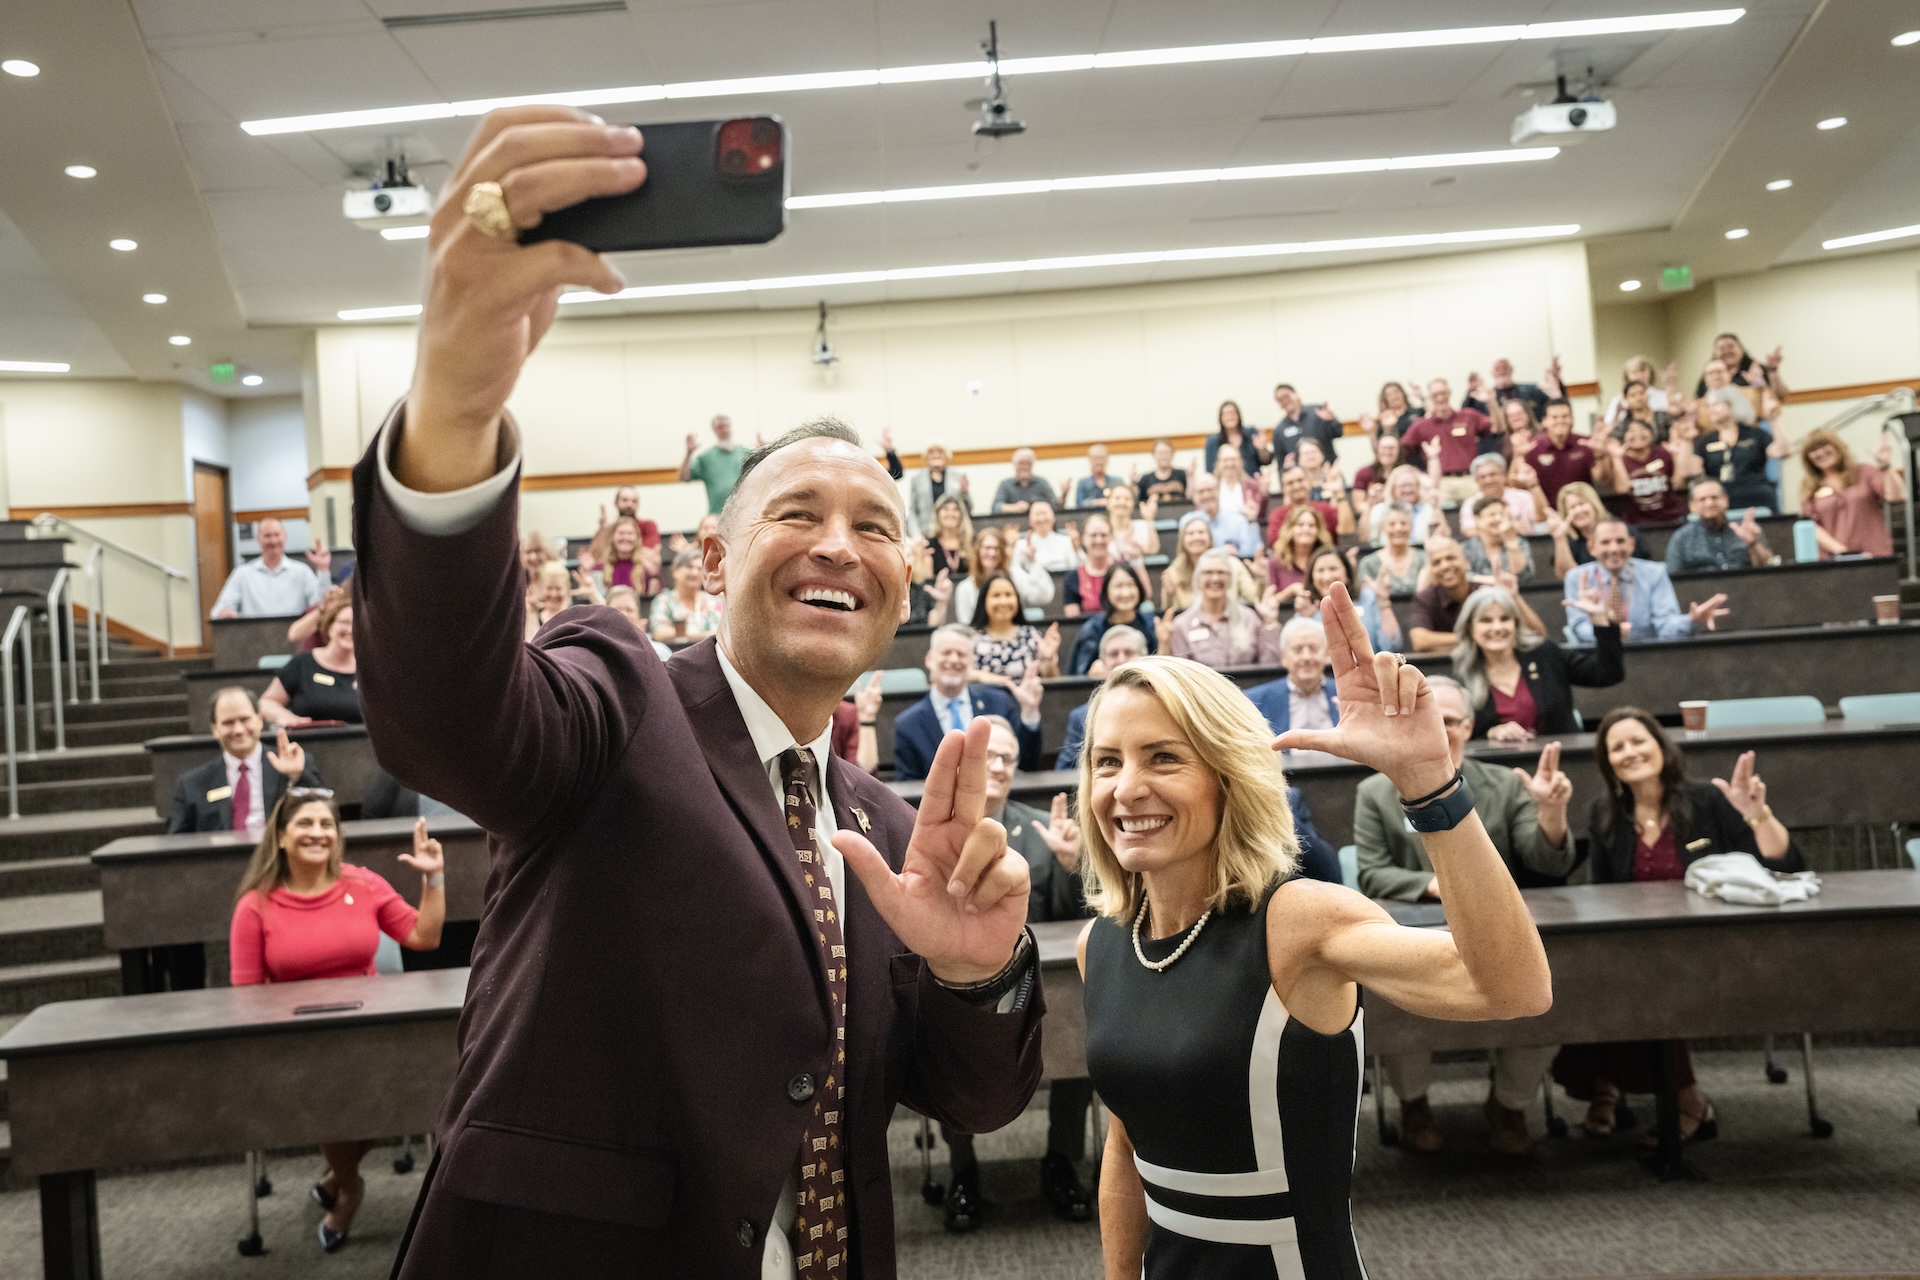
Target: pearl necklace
[{"x": 1159, "y": 965}]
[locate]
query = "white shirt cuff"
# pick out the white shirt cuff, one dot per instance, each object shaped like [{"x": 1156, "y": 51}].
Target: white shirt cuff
[{"x": 443, "y": 515}]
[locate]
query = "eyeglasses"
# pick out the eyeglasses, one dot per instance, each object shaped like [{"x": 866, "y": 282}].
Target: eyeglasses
[
  {"x": 1455, "y": 722},
  {"x": 1002, "y": 759},
  {"x": 303, "y": 793}
]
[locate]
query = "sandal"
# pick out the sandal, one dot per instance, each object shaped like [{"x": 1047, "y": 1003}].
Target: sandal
[
  {"x": 1695, "y": 1126},
  {"x": 1601, "y": 1120}
]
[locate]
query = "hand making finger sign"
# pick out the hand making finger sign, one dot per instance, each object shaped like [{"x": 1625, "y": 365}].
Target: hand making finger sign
[
  {"x": 1061, "y": 834},
  {"x": 1746, "y": 792},
  {"x": 289, "y": 759},
  {"x": 959, "y": 899},
  {"x": 866, "y": 703},
  {"x": 1549, "y": 787},
  {"x": 1705, "y": 613},
  {"x": 428, "y": 858}
]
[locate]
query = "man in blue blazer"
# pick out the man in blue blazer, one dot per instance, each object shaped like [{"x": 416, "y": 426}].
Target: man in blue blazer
[
  {"x": 1307, "y": 694},
  {"x": 952, "y": 703},
  {"x": 1117, "y": 645}
]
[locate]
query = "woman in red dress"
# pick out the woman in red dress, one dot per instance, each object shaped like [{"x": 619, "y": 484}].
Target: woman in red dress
[{"x": 302, "y": 913}]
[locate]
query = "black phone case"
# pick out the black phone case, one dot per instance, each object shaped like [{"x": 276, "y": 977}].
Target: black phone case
[{"x": 685, "y": 202}]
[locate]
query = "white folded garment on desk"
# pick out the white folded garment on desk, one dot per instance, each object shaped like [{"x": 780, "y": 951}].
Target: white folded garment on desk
[{"x": 1740, "y": 878}]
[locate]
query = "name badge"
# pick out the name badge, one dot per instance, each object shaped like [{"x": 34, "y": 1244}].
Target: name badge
[
  {"x": 218, "y": 794},
  {"x": 1694, "y": 846},
  {"x": 1655, "y": 465},
  {"x": 1546, "y": 459},
  {"x": 321, "y": 677},
  {"x": 1824, "y": 491},
  {"x": 1015, "y": 833},
  {"x": 1198, "y": 633},
  {"x": 1459, "y": 431},
  {"x": 1715, "y": 446}
]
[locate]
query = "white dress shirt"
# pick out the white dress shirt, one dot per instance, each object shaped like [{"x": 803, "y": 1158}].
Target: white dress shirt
[
  {"x": 256, "y": 815},
  {"x": 255, "y": 591},
  {"x": 445, "y": 514},
  {"x": 943, "y": 705}
]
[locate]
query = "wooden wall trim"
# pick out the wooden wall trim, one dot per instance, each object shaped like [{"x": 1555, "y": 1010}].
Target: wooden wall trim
[
  {"x": 272, "y": 513},
  {"x": 105, "y": 511},
  {"x": 1857, "y": 391},
  {"x": 135, "y": 636},
  {"x": 320, "y": 475}
]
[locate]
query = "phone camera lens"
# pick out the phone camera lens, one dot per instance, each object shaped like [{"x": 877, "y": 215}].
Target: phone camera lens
[
  {"x": 765, "y": 133},
  {"x": 733, "y": 160}
]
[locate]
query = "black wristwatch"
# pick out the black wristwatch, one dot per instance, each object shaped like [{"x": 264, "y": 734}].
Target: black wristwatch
[
  {"x": 1441, "y": 810},
  {"x": 1017, "y": 974}
]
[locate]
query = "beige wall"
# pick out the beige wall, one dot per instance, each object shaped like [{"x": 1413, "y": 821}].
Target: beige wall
[
  {"x": 1622, "y": 332},
  {"x": 623, "y": 393}
]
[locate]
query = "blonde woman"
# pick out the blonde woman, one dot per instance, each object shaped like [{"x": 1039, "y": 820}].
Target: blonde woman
[
  {"x": 1212, "y": 962},
  {"x": 1134, "y": 536},
  {"x": 1194, "y": 540}
]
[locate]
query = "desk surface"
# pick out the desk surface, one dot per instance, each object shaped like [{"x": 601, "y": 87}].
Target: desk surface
[
  {"x": 221, "y": 1013},
  {"x": 130, "y": 850}
]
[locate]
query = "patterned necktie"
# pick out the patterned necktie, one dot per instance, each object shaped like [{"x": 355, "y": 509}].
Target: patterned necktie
[
  {"x": 242, "y": 798},
  {"x": 820, "y": 1217},
  {"x": 1617, "y": 598}
]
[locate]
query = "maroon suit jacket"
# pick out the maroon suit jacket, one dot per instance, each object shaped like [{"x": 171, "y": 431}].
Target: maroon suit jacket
[{"x": 645, "y": 988}]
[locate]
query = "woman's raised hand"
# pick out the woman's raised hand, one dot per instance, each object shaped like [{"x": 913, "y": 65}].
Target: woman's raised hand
[
  {"x": 1591, "y": 601},
  {"x": 1061, "y": 834},
  {"x": 1746, "y": 792},
  {"x": 1388, "y": 718},
  {"x": 428, "y": 858}
]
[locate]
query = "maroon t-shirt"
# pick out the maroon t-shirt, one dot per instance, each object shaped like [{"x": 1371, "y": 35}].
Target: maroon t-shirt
[
  {"x": 1457, "y": 438},
  {"x": 1277, "y": 520},
  {"x": 1651, "y": 497},
  {"x": 1559, "y": 466}
]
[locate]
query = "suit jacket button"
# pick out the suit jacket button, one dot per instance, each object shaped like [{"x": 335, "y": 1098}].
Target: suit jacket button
[
  {"x": 800, "y": 1088},
  {"x": 745, "y": 1234}
]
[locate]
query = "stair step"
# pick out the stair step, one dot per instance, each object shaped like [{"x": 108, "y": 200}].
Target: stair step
[
  {"x": 121, "y": 684},
  {"x": 116, "y": 708},
  {"x": 120, "y": 731},
  {"x": 129, "y": 664},
  {"x": 48, "y": 875},
  {"x": 70, "y": 835},
  {"x": 45, "y": 927},
  {"x": 69, "y": 794},
  {"x": 119, "y": 760},
  {"x": 24, "y": 987}
]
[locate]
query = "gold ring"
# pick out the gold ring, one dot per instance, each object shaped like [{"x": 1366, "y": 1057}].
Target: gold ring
[{"x": 486, "y": 209}]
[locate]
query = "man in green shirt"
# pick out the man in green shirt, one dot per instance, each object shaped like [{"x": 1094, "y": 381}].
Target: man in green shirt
[
  {"x": 718, "y": 467},
  {"x": 1526, "y": 818}
]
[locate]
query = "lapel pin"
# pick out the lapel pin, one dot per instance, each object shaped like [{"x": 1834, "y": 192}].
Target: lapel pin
[{"x": 861, "y": 814}]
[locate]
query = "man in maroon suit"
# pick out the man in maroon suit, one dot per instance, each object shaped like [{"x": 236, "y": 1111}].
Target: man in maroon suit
[{"x": 686, "y": 1026}]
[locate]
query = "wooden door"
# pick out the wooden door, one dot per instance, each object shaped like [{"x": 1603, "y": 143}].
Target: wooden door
[{"x": 212, "y": 531}]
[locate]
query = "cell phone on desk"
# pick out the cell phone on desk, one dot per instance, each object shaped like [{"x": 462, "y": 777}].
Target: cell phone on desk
[{"x": 709, "y": 182}]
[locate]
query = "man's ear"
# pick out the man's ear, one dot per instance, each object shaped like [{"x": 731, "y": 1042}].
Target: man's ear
[{"x": 713, "y": 566}]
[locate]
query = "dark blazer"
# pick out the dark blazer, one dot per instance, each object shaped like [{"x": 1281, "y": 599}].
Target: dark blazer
[
  {"x": 646, "y": 1004},
  {"x": 1716, "y": 827},
  {"x": 1056, "y": 893},
  {"x": 917, "y": 731},
  {"x": 1275, "y": 702},
  {"x": 192, "y": 811},
  {"x": 1086, "y": 646},
  {"x": 1069, "y": 757},
  {"x": 1551, "y": 672}
]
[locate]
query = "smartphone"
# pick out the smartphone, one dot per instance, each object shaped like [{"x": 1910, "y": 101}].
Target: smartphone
[{"x": 709, "y": 182}]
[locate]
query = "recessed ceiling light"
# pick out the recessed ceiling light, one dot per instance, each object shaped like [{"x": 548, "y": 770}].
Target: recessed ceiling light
[
  {"x": 1628, "y": 286},
  {"x": 405, "y": 233},
  {"x": 124, "y": 246},
  {"x": 1832, "y": 122},
  {"x": 1104, "y": 182},
  {"x": 155, "y": 298},
  {"x": 180, "y": 340},
  {"x": 252, "y": 380},
  {"x": 20, "y": 67},
  {"x": 1871, "y": 237},
  {"x": 81, "y": 171},
  {"x": 1780, "y": 184},
  {"x": 33, "y": 366},
  {"x": 1906, "y": 38},
  {"x": 1010, "y": 67},
  {"x": 1738, "y": 233}
]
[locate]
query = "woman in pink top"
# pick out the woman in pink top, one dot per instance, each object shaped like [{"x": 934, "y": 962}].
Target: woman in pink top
[
  {"x": 303, "y": 914},
  {"x": 1846, "y": 499}
]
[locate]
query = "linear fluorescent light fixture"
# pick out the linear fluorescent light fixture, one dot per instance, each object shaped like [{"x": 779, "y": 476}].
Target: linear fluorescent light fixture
[
  {"x": 1872, "y": 237},
  {"x": 974, "y": 190},
  {"x": 808, "y": 81},
  {"x": 34, "y": 366},
  {"x": 405, "y": 233}
]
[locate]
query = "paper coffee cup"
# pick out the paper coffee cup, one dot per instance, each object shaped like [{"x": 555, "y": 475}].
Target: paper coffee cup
[
  {"x": 1886, "y": 608},
  {"x": 1693, "y": 715}
]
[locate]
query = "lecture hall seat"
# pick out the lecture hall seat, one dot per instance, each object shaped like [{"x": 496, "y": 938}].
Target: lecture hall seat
[
  {"x": 1899, "y": 707},
  {"x": 1736, "y": 713}
]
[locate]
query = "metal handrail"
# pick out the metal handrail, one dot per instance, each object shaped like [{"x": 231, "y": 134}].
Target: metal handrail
[
  {"x": 62, "y": 581},
  {"x": 96, "y": 617},
  {"x": 20, "y": 631},
  {"x": 48, "y": 522}
]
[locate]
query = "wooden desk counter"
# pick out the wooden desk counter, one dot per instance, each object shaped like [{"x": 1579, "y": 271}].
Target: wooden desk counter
[
  {"x": 160, "y": 891},
  {"x": 242, "y": 642}
]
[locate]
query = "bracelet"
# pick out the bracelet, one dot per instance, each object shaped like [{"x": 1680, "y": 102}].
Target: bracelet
[
  {"x": 1761, "y": 818},
  {"x": 435, "y": 880},
  {"x": 1443, "y": 814},
  {"x": 1435, "y": 794},
  {"x": 1009, "y": 977},
  {"x": 869, "y": 724}
]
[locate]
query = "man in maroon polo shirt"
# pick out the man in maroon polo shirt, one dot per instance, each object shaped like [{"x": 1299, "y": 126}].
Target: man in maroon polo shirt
[
  {"x": 1452, "y": 435},
  {"x": 1559, "y": 458}
]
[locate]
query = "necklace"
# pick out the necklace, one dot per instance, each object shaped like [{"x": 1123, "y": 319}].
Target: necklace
[{"x": 1159, "y": 965}]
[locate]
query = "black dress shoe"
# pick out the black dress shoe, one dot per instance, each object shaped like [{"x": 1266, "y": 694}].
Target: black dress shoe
[
  {"x": 331, "y": 1241},
  {"x": 964, "y": 1207},
  {"x": 322, "y": 1197},
  {"x": 1061, "y": 1185}
]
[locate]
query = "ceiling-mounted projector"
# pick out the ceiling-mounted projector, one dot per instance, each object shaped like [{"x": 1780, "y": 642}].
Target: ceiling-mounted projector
[
  {"x": 1565, "y": 118},
  {"x": 391, "y": 195}
]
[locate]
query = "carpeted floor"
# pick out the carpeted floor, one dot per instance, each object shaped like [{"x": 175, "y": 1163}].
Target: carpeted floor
[{"x": 1778, "y": 1203}]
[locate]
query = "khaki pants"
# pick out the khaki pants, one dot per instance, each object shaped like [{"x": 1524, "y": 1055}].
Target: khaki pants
[
  {"x": 1457, "y": 490},
  {"x": 1516, "y": 1074}
]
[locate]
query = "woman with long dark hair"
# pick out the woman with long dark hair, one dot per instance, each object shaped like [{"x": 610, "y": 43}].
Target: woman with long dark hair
[
  {"x": 1231, "y": 431},
  {"x": 1123, "y": 603},
  {"x": 1650, "y": 822},
  {"x": 303, "y": 913},
  {"x": 1003, "y": 645}
]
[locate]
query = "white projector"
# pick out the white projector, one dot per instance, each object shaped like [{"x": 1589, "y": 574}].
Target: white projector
[
  {"x": 1565, "y": 121},
  {"x": 387, "y": 202}
]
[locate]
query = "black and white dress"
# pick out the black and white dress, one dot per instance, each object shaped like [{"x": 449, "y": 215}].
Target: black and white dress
[{"x": 1242, "y": 1119}]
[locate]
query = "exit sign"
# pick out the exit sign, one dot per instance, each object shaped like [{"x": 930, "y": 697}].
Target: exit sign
[
  {"x": 220, "y": 372},
  {"x": 1675, "y": 279}
]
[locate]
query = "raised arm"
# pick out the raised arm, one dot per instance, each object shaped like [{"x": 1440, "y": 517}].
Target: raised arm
[{"x": 1492, "y": 964}]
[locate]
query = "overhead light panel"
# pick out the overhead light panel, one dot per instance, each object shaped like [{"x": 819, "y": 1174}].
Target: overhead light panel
[
  {"x": 34, "y": 366},
  {"x": 380, "y": 313},
  {"x": 1628, "y": 286},
  {"x": 123, "y": 245},
  {"x": 405, "y": 233},
  {"x": 1906, "y": 38},
  {"x": 1832, "y": 122},
  {"x": 1871, "y": 237},
  {"x": 180, "y": 340},
  {"x": 1780, "y": 184},
  {"x": 252, "y": 380},
  {"x": 20, "y": 67},
  {"x": 81, "y": 171},
  {"x": 1242, "y": 173},
  {"x": 1738, "y": 233},
  {"x": 808, "y": 81},
  {"x": 155, "y": 298}
]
